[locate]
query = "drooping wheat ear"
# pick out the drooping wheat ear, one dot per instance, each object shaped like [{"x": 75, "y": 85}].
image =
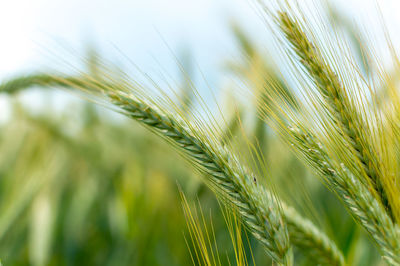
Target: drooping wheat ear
[
  {"x": 345, "y": 115},
  {"x": 364, "y": 207},
  {"x": 259, "y": 209}
]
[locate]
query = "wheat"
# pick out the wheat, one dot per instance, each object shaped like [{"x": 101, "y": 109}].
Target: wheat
[
  {"x": 344, "y": 153},
  {"x": 335, "y": 95},
  {"x": 304, "y": 234},
  {"x": 367, "y": 210},
  {"x": 260, "y": 211}
]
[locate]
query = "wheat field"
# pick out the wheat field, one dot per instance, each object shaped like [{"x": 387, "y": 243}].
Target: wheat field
[{"x": 296, "y": 165}]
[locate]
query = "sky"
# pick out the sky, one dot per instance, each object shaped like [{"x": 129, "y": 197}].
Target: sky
[
  {"x": 140, "y": 29},
  {"x": 137, "y": 28},
  {"x": 148, "y": 32}
]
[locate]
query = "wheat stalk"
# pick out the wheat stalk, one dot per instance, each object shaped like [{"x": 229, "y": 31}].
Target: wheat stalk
[{"x": 259, "y": 209}]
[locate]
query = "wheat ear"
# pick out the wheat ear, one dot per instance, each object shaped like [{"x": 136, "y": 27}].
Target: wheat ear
[
  {"x": 343, "y": 112},
  {"x": 366, "y": 209},
  {"x": 259, "y": 210}
]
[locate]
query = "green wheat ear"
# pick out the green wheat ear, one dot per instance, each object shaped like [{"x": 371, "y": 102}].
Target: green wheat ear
[
  {"x": 274, "y": 224},
  {"x": 342, "y": 110},
  {"x": 363, "y": 206}
]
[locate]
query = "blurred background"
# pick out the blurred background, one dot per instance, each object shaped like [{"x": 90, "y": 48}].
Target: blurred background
[{"x": 79, "y": 187}]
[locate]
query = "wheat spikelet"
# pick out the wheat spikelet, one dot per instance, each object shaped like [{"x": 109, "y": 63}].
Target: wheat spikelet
[{"x": 259, "y": 209}]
